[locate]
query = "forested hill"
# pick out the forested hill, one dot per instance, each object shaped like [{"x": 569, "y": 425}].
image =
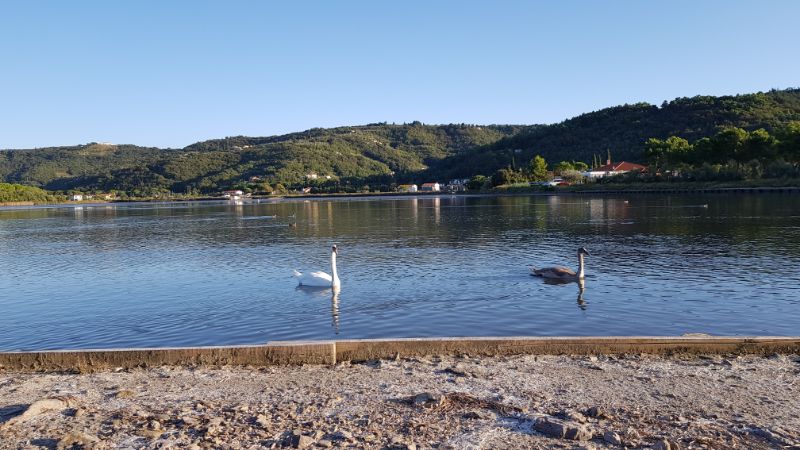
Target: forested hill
[
  {"x": 381, "y": 155},
  {"x": 377, "y": 154},
  {"x": 623, "y": 130}
]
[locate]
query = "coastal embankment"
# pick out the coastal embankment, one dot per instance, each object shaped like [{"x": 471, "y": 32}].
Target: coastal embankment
[
  {"x": 666, "y": 393},
  {"x": 17, "y": 203},
  {"x": 331, "y": 352}
]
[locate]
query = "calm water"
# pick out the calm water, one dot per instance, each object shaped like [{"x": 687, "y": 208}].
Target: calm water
[{"x": 213, "y": 274}]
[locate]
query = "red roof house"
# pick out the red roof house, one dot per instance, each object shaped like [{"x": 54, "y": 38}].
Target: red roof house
[
  {"x": 622, "y": 166},
  {"x": 614, "y": 169}
]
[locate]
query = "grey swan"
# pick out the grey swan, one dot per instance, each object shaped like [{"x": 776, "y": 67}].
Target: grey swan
[{"x": 563, "y": 273}]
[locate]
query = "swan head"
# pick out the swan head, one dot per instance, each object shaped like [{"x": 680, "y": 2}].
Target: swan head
[
  {"x": 583, "y": 251},
  {"x": 334, "y": 250}
]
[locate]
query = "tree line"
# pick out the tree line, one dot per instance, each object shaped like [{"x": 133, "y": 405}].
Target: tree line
[
  {"x": 731, "y": 154},
  {"x": 755, "y": 141},
  {"x": 10, "y": 193}
]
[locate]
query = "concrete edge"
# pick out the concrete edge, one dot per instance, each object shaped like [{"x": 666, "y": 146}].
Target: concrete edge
[
  {"x": 329, "y": 352},
  {"x": 361, "y": 350},
  {"x": 317, "y": 352}
]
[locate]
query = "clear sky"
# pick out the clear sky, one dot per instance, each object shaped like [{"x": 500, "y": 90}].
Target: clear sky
[{"x": 170, "y": 73}]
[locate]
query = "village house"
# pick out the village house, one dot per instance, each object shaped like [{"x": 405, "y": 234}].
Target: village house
[
  {"x": 457, "y": 185},
  {"x": 232, "y": 193},
  {"x": 407, "y": 188},
  {"x": 76, "y": 197},
  {"x": 431, "y": 187},
  {"x": 611, "y": 169}
]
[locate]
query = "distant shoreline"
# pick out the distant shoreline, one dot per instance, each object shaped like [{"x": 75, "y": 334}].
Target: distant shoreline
[
  {"x": 567, "y": 191},
  {"x": 17, "y": 203},
  {"x": 509, "y": 192}
]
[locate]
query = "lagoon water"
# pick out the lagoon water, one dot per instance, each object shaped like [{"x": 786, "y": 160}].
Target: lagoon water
[{"x": 213, "y": 273}]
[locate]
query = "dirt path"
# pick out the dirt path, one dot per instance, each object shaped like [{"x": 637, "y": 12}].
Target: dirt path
[{"x": 512, "y": 402}]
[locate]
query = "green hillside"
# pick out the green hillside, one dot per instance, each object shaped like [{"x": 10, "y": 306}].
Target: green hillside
[
  {"x": 60, "y": 168},
  {"x": 382, "y": 155},
  {"x": 350, "y": 156},
  {"x": 623, "y": 130}
]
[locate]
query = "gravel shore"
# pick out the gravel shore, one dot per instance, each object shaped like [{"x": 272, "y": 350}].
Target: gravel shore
[{"x": 635, "y": 401}]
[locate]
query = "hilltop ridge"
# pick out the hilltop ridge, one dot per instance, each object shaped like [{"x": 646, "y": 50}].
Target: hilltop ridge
[{"x": 379, "y": 155}]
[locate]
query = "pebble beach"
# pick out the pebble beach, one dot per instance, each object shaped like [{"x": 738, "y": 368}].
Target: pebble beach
[{"x": 629, "y": 401}]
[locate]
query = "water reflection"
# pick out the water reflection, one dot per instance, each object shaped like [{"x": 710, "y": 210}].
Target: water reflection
[
  {"x": 215, "y": 274},
  {"x": 335, "y": 310},
  {"x": 320, "y": 293},
  {"x": 581, "y": 288}
]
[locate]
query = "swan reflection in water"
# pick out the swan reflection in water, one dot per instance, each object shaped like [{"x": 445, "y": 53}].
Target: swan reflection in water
[
  {"x": 320, "y": 293},
  {"x": 581, "y": 288},
  {"x": 335, "y": 310}
]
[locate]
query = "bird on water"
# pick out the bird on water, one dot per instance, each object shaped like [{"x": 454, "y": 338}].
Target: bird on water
[
  {"x": 563, "y": 273},
  {"x": 319, "y": 278}
]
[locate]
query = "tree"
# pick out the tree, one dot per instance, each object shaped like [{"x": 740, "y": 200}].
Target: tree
[
  {"x": 503, "y": 176},
  {"x": 666, "y": 154},
  {"x": 562, "y": 167},
  {"x": 702, "y": 151},
  {"x": 789, "y": 141},
  {"x": 726, "y": 144},
  {"x": 655, "y": 151},
  {"x": 572, "y": 176},
  {"x": 538, "y": 169},
  {"x": 580, "y": 166},
  {"x": 759, "y": 145},
  {"x": 678, "y": 151},
  {"x": 477, "y": 182}
]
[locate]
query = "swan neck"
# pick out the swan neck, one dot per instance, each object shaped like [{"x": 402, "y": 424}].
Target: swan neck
[
  {"x": 580, "y": 265},
  {"x": 334, "y": 274}
]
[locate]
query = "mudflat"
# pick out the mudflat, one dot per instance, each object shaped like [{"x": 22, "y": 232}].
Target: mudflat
[{"x": 635, "y": 401}]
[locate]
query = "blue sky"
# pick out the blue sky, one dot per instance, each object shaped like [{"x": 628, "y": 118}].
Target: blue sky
[{"x": 170, "y": 73}]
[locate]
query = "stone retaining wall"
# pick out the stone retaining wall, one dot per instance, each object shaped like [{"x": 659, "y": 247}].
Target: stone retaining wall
[{"x": 329, "y": 352}]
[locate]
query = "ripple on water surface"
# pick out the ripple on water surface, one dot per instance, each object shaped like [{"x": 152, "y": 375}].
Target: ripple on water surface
[{"x": 219, "y": 274}]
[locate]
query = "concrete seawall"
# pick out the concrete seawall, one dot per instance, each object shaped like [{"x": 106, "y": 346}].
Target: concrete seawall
[{"x": 330, "y": 352}]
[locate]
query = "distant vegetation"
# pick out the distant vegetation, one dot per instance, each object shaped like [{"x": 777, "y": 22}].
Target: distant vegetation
[
  {"x": 10, "y": 193},
  {"x": 339, "y": 159},
  {"x": 731, "y": 154},
  {"x": 684, "y": 137},
  {"x": 624, "y": 130}
]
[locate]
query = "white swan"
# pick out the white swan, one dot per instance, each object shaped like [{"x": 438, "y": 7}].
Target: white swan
[
  {"x": 562, "y": 273},
  {"x": 321, "y": 279}
]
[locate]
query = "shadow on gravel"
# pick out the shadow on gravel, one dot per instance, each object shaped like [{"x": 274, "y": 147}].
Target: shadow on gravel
[
  {"x": 457, "y": 401},
  {"x": 50, "y": 444},
  {"x": 8, "y": 412}
]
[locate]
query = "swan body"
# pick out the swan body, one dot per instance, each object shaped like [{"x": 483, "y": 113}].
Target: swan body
[
  {"x": 563, "y": 273},
  {"x": 319, "y": 278}
]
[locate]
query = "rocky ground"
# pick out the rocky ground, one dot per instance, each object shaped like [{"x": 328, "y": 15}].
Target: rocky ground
[{"x": 637, "y": 401}]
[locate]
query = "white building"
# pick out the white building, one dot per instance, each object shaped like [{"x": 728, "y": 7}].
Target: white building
[
  {"x": 611, "y": 169},
  {"x": 232, "y": 194},
  {"x": 457, "y": 185}
]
